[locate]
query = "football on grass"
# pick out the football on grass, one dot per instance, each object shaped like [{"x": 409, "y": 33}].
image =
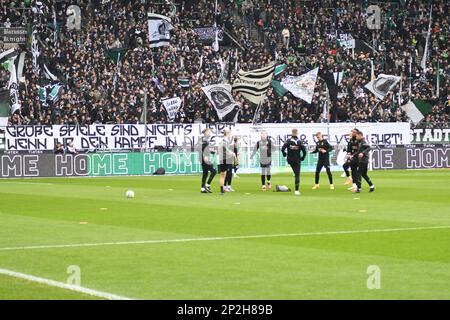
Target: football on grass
[{"x": 130, "y": 194}]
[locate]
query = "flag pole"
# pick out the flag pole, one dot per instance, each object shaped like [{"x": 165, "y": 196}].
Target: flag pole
[
  {"x": 258, "y": 110},
  {"x": 117, "y": 70},
  {"x": 438, "y": 76},
  {"x": 410, "y": 78},
  {"x": 145, "y": 120},
  {"x": 55, "y": 36},
  {"x": 423, "y": 63},
  {"x": 327, "y": 111}
]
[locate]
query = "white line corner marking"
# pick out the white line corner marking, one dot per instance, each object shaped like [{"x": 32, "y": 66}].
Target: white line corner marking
[
  {"x": 242, "y": 237},
  {"x": 57, "y": 284}
]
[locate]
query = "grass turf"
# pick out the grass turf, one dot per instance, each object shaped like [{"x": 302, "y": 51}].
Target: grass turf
[{"x": 414, "y": 264}]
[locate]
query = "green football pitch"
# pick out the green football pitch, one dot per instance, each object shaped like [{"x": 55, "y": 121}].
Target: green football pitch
[{"x": 172, "y": 242}]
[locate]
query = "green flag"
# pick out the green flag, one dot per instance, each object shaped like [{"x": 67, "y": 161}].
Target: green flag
[
  {"x": 279, "y": 89},
  {"x": 425, "y": 107},
  {"x": 417, "y": 110},
  {"x": 113, "y": 53},
  {"x": 280, "y": 68}
]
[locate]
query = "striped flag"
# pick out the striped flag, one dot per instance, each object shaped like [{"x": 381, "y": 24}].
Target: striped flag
[
  {"x": 159, "y": 27},
  {"x": 253, "y": 84},
  {"x": 184, "y": 82}
]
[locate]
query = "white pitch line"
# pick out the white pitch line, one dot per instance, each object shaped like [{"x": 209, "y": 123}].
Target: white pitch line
[
  {"x": 30, "y": 183},
  {"x": 62, "y": 285},
  {"x": 243, "y": 237}
]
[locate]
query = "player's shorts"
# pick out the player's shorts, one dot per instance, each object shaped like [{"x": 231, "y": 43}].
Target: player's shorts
[
  {"x": 224, "y": 167},
  {"x": 266, "y": 165},
  {"x": 207, "y": 167}
]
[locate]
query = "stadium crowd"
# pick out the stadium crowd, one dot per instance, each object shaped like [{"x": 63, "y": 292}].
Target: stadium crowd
[{"x": 101, "y": 88}]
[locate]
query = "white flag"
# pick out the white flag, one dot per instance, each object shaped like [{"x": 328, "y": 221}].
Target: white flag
[
  {"x": 423, "y": 63},
  {"x": 382, "y": 85},
  {"x": 215, "y": 45},
  {"x": 172, "y": 106},
  {"x": 303, "y": 86},
  {"x": 221, "y": 98},
  {"x": 159, "y": 30}
]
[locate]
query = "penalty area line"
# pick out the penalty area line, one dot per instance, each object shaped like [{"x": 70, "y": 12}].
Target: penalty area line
[
  {"x": 242, "y": 237},
  {"x": 62, "y": 285}
]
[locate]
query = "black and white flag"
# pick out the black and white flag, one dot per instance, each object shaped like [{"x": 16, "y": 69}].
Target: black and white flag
[
  {"x": 13, "y": 87},
  {"x": 159, "y": 27},
  {"x": 172, "y": 105},
  {"x": 35, "y": 52},
  {"x": 382, "y": 85},
  {"x": 221, "y": 98},
  {"x": 338, "y": 77},
  {"x": 253, "y": 84}
]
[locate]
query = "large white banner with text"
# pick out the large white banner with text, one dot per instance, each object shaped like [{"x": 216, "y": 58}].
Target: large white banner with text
[{"x": 169, "y": 136}]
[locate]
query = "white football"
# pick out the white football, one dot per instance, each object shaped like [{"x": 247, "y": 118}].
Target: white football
[{"x": 130, "y": 194}]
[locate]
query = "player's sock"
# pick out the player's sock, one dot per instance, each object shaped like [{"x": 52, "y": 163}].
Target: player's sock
[{"x": 263, "y": 179}]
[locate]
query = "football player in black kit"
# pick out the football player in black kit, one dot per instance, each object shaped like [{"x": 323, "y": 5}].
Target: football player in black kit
[
  {"x": 296, "y": 153},
  {"x": 323, "y": 148},
  {"x": 352, "y": 146},
  {"x": 362, "y": 156},
  {"x": 226, "y": 159},
  {"x": 207, "y": 166},
  {"x": 265, "y": 159}
]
